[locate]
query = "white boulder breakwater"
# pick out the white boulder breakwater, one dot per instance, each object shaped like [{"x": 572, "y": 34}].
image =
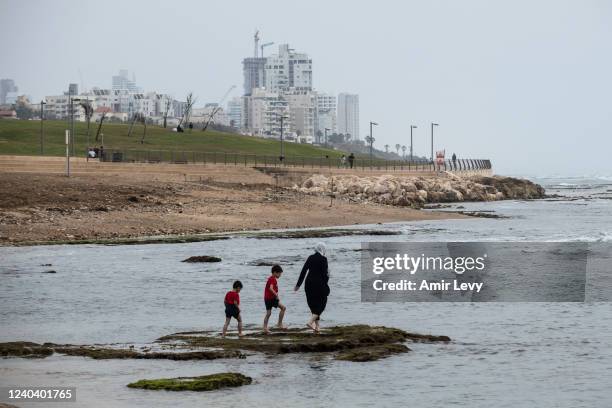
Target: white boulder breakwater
[{"x": 415, "y": 191}]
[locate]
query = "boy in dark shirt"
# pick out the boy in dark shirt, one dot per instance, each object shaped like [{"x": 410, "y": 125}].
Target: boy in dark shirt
[
  {"x": 232, "y": 307},
  {"x": 271, "y": 298}
]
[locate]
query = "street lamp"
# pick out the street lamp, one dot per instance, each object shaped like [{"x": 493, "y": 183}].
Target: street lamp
[
  {"x": 282, "y": 151},
  {"x": 411, "y": 127},
  {"x": 371, "y": 140},
  {"x": 432, "y": 126},
  {"x": 42, "y": 115},
  {"x": 326, "y": 130}
]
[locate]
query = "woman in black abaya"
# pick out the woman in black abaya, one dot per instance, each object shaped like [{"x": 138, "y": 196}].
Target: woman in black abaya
[{"x": 317, "y": 290}]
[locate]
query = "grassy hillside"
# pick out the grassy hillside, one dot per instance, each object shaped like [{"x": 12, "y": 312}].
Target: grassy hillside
[{"x": 22, "y": 137}]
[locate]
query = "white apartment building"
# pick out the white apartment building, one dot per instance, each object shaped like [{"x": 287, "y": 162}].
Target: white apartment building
[
  {"x": 262, "y": 112},
  {"x": 288, "y": 69},
  {"x": 302, "y": 110},
  {"x": 348, "y": 115},
  {"x": 325, "y": 116},
  {"x": 234, "y": 112}
]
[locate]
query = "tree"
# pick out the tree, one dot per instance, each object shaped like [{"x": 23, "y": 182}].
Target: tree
[
  {"x": 397, "y": 147},
  {"x": 100, "y": 125},
  {"x": 187, "y": 114},
  {"x": 404, "y": 151},
  {"x": 168, "y": 103},
  {"x": 386, "y": 148},
  {"x": 86, "y": 105}
]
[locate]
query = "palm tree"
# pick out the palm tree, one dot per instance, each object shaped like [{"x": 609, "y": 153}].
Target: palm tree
[
  {"x": 404, "y": 151},
  {"x": 386, "y": 148},
  {"x": 397, "y": 147}
]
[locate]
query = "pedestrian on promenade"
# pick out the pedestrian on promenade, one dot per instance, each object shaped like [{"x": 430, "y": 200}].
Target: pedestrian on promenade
[{"x": 351, "y": 159}]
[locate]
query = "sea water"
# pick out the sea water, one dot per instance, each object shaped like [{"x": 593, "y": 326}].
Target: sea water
[{"x": 502, "y": 354}]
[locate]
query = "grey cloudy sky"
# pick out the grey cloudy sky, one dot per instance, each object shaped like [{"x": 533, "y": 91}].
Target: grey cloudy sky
[{"x": 525, "y": 83}]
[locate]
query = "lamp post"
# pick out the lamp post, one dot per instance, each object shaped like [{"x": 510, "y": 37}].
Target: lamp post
[
  {"x": 432, "y": 126},
  {"x": 42, "y": 116},
  {"x": 326, "y": 130},
  {"x": 371, "y": 140},
  {"x": 282, "y": 151},
  {"x": 411, "y": 127}
]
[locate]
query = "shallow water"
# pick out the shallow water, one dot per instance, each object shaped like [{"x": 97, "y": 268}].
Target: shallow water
[{"x": 503, "y": 355}]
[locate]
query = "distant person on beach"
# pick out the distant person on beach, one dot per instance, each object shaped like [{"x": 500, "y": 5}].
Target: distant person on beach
[
  {"x": 343, "y": 161},
  {"x": 232, "y": 307},
  {"x": 351, "y": 159},
  {"x": 316, "y": 274},
  {"x": 454, "y": 161},
  {"x": 271, "y": 298}
]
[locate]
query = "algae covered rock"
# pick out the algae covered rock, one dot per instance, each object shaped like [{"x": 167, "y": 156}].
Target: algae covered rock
[
  {"x": 99, "y": 353},
  {"x": 202, "y": 383},
  {"x": 202, "y": 258},
  {"x": 372, "y": 353},
  {"x": 24, "y": 349},
  {"x": 358, "y": 339}
]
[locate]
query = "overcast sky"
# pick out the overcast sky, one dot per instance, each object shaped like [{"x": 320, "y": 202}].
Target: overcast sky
[{"x": 527, "y": 84}]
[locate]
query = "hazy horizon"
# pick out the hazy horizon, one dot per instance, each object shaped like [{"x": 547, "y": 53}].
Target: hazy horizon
[{"x": 526, "y": 84}]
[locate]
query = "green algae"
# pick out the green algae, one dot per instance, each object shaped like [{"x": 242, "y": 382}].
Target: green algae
[
  {"x": 371, "y": 353},
  {"x": 202, "y": 383},
  {"x": 202, "y": 258},
  {"x": 110, "y": 353}
]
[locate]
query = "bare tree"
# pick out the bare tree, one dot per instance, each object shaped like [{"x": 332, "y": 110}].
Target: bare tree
[
  {"x": 168, "y": 104},
  {"x": 100, "y": 125},
  {"x": 86, "y": 105},
  {"x": 187, "y": 114}
]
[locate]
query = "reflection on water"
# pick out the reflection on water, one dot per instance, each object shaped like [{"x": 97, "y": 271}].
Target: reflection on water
[{"x": 504, "y": 355}]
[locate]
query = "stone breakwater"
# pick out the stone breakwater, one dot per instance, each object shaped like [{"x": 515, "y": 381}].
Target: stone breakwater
[{"x": 415, "y": 191}]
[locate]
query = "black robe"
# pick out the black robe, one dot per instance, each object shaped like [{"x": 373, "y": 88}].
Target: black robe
[{"x": 316, "y": 288}]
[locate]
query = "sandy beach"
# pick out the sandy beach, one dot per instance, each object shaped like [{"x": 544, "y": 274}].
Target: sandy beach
[{"x": 109, "y": 204}]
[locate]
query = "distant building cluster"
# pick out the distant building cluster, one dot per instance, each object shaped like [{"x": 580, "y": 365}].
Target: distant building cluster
[
  {"x": 278, "y": 98},
  {"x": 278, "y": 93}
]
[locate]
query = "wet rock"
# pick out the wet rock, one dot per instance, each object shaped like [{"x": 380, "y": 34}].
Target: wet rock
[
  {"x": 24, "y": 349},
  {"x": 327, "y": 233},
  {"x": 51, "y": 271},
  {"x": 358, "y": 338},
  {"x": 201, "y": 383},
  {"x": 98, "y": 353},
  {"x": 373, "y": 353},
  {"x": 202, "y": 258}
]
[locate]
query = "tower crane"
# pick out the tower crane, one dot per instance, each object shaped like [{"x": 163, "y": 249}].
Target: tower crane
[{"x": 264, "y": 46}]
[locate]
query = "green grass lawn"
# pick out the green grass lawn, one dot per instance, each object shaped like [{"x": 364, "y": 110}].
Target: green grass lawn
[{"x": 22, "y": 137}]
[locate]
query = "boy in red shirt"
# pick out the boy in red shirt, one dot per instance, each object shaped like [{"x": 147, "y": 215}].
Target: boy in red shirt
[
  {"x": 232, "y": 307},
  {"x": 272, "y": 299}
]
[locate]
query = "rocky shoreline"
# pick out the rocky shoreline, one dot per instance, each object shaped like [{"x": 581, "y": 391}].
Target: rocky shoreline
[{"x": 416, "y": 191}]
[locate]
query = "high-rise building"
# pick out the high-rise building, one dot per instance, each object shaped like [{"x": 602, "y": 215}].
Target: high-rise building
[
  {"x": 348, "y": 115},
  {"x": 254, "y": 74},
  {"x": 263, "y": 111},
  {"x": 302, "y": 112},
  {"x": 288, "y": 70},
  {"x": 6, "y": 86},
  {"x": 121, "y": 82},
  {"x": 73, "y": 89},
  {"x": 234, "y": 112},
  {"x": 325, "y": 116}
]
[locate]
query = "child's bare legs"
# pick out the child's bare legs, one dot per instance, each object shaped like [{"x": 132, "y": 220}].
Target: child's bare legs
[
  {"x": 239, "y": 318},
  {"x": 281, "y": 315},
  {"x": 265, "y": 325},
  {"x": 227, "y": 322}
]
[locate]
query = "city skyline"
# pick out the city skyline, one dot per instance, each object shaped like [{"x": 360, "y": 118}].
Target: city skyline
[{"x": 539, "y": 92}]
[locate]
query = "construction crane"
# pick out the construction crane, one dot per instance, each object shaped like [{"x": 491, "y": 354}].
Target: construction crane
[
  {"x": 256, "y": 40},
  {"x": 215, "y": 110},
  {"x": 264, "y": 46}
]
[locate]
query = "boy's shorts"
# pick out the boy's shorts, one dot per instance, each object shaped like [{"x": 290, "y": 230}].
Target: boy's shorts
[
  {"x": 231, "y": 311},
  {"x": 270, "y": 303}
]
